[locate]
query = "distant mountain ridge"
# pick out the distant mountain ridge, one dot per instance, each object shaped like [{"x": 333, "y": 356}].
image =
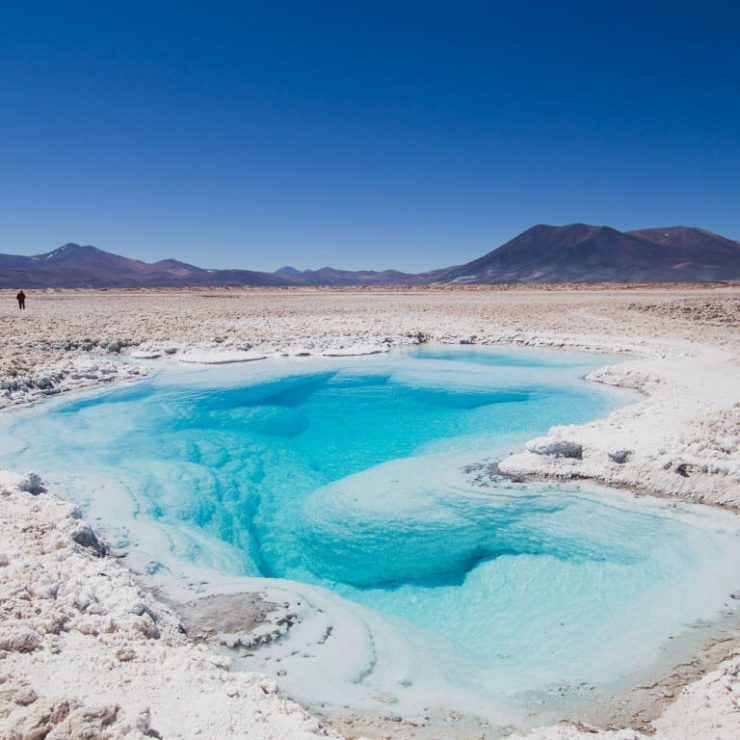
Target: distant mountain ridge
[
  {"x": 576, "y": 253},
  {"x": 75, "y": 266},
  {"x": 580, "y": 253}
]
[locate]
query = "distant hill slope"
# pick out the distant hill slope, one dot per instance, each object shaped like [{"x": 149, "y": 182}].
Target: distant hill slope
[
  {"x": 577, "y": 253},
  {"x": 330, "y": 276},
  {"x": 74, "y": 266}
]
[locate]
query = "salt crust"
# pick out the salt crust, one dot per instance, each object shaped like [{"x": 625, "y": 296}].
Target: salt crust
[
  {"x": 682, "y": 439},
  {"x": 706, "y": 709},
  {"x": 85, "y": 652},
  {"x": 222, "y": 357},
  {"x": 355, "y": 350},
  {"x": 80, "y": 655},
  {"x": 75, "y": 373}
]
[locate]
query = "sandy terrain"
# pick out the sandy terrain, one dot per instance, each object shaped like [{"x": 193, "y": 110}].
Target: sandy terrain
[{"x": 682, "y": 439}]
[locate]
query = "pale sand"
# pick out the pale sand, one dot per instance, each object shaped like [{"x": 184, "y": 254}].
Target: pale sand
[{"x": 682, "y": 439}]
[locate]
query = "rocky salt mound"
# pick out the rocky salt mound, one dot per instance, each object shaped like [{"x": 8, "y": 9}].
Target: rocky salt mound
[
  {"x": 682, "y": 440},
  {"x": 82, "y": 371},
  {"x": 85, "y": 652}
]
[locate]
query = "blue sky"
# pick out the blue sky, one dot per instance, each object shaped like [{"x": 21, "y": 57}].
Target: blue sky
[{"x": 361, "y": 134}]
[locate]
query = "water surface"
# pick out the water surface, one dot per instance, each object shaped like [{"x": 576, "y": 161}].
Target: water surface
[{"x": 353, "y": 476}]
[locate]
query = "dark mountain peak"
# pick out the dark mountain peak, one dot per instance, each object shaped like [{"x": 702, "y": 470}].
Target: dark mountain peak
[
  {"x": 667, "y": 233},
  {"x": 547, "y": 236},
  {"x": 573, "y": 232},
  {"x": 288, "y": 271},
  {"x": 68, "y": 248},
  {"x": 669, "y": 230},
  {"x": 76, "y": 254},
  {"x": 582, "y": 253},
  {"x": 544, "y": 229},
  {"x": 686, "y": 237},
  {"x": 542, "y": 242},
  {"x": 171, "y": 264}
]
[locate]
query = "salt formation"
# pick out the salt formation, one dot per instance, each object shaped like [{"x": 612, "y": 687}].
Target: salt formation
[
  {"x": 682, "y": 439},
  {"x": 76, "y": 373},
  {"x": 223, "y": 357},
  {"x": 85, "y": 652}
]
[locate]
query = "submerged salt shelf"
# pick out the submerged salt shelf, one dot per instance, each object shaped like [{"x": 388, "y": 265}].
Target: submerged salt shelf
[{"x": 353, "y": 485}]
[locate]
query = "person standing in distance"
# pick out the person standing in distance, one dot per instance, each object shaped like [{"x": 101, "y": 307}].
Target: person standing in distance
[{"x": 21, "y": 298}]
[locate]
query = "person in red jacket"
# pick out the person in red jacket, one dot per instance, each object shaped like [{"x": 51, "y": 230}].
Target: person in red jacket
[{"x": 21, "y": 298}]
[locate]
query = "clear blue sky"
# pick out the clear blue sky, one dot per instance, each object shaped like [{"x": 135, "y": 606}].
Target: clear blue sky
[{"x": 361, "y": 134}]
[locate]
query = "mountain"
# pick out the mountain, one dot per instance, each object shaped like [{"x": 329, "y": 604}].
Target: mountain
[
  {"x": 288, "y": 272},
  {"x": 75, "y": 266},
  {"x": 686, "y": 237},
  {"x": 245, "y": 277},
  {"x": 331, "y": 276},
  {"x": 180, "y": 270},
  {"x": 577, "y": 253}
]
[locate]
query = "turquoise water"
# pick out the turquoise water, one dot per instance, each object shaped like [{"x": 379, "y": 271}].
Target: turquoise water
[{"x": 350, "y": 475}]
